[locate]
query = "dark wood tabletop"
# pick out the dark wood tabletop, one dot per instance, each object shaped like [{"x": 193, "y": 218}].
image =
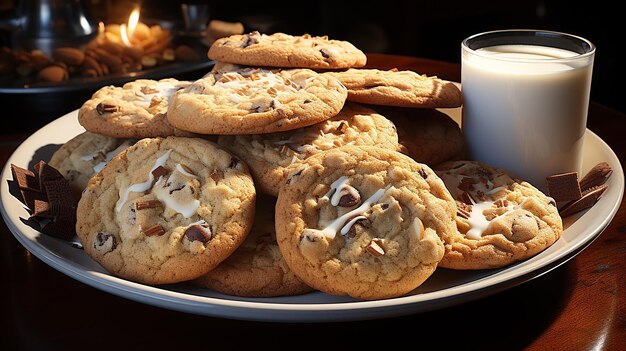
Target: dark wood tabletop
[{"x": 580, "y": 305}]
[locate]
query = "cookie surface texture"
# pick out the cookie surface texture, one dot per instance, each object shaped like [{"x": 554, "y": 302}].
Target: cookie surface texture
[
  {"x": 398, "y": 88},
  {"x": 500, "y": 219},
  {"x": 427, "y": 135},
  {"x": 85, "y": 155},
  {"x": 138, "y": 109},
  {"x": 284, "y": 50},
  {"x": 270, "y": 155},
  {"x": 363, "y": 221},
  {"x": 257, "y": 268},
  {"x": 243, "y": 100},
  {"x": 166, "y": 210}
]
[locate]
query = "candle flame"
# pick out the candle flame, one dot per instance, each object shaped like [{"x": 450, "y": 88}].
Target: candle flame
[
  {"x": 123, "y": 35},
  {"x": 127, "y": 31},
  {"x": 132, "y": 22}
]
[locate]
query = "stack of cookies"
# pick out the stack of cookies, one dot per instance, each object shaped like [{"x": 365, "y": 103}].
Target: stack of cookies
[{"x": 289, "y": 168}]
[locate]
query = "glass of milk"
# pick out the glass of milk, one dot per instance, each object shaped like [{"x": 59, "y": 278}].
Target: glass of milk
[{"x": 525, "y": 100}]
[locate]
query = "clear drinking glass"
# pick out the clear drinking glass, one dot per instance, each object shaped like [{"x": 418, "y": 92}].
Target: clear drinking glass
[{"x": 525, "y": 100}]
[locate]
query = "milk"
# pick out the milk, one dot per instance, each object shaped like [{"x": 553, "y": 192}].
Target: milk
[{"x": 525, "y": 108}]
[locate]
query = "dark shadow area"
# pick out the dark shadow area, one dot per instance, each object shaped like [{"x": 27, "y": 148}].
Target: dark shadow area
[
  {"x": 44, "y": 153},
  {"x": 429, "y": 29},
  {"x": 509, "y": 320}
]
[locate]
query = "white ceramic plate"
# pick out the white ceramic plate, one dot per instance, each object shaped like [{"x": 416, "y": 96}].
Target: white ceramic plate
[{"x": 444, "y": 288}]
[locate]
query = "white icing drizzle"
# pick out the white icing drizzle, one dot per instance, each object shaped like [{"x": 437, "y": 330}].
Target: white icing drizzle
[
  {"x": 141, "y": 187},
  {"x": 337, "y": 185},
  {"x": 477, "y": 221},
  {"x": 109, "y": 156},
  {"x": 330, "y": 231},
  {"x": 182, "y": 170},
  {"x": 346, "y": 228},
  {"x": 333, "y": 187},
  {"x": 186, "y": 208}
]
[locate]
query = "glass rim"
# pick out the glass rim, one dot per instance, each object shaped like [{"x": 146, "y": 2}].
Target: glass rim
[{"x": 589, "y": 52}]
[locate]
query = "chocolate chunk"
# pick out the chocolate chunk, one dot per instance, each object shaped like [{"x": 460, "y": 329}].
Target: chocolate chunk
[
  {"x": 26, "y": 180},
  {"x": 159, "y": 172},
  {"x": 589, "y": 198},
  {"x": 142, "y": 205},
  {"x": 102, "y": 238},
  {"x": 103, "y": 108},
  {"x": 153, "y": 230},
  {"x": 233, "y": 162},
  {"x": 51, "y": 204},
  {"x": 349, "y": 197},
  {"x": 598, "y": 175},
  {"x": 30, "y": 197},
  {"x": 467, "y": 198},
  {"x": 564, "y": 187},
  {"x": 41, "y": 209},
  {"x": 216, "y": 175},
  {"x": 467, "y": 184},
  {"x": 197, "y": 232},
  {"x": 325, "y": 53},
  {"x": 422, "y": 173}
]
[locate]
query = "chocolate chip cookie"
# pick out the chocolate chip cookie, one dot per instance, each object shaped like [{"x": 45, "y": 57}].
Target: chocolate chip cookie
[
  {"x": 500, "y": 219},
  {"x": 245, "y": 100},
  {"x": 138, "y": 109},
  {"x": 166, "y": 210},
  {"x": 427, "y": 135},
  {"x": 399, "y": 88},
  {"x": 257, "y": 268},
  {"x": 85, "y": 155},
  {"x": 363, "y": 221},
  {"x": 284, "y": 50},
  {"x": 270, "y": 155}
]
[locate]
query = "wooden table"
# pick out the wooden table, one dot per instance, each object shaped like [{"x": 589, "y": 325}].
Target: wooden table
[{"x": 581, "y": 305}]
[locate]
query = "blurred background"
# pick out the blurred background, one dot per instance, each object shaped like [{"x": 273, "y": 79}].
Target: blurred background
[{"x": 427, "y": 28}]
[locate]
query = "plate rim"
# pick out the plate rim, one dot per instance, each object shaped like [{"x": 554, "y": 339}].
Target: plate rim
[{"x": 262, "y": 310}]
